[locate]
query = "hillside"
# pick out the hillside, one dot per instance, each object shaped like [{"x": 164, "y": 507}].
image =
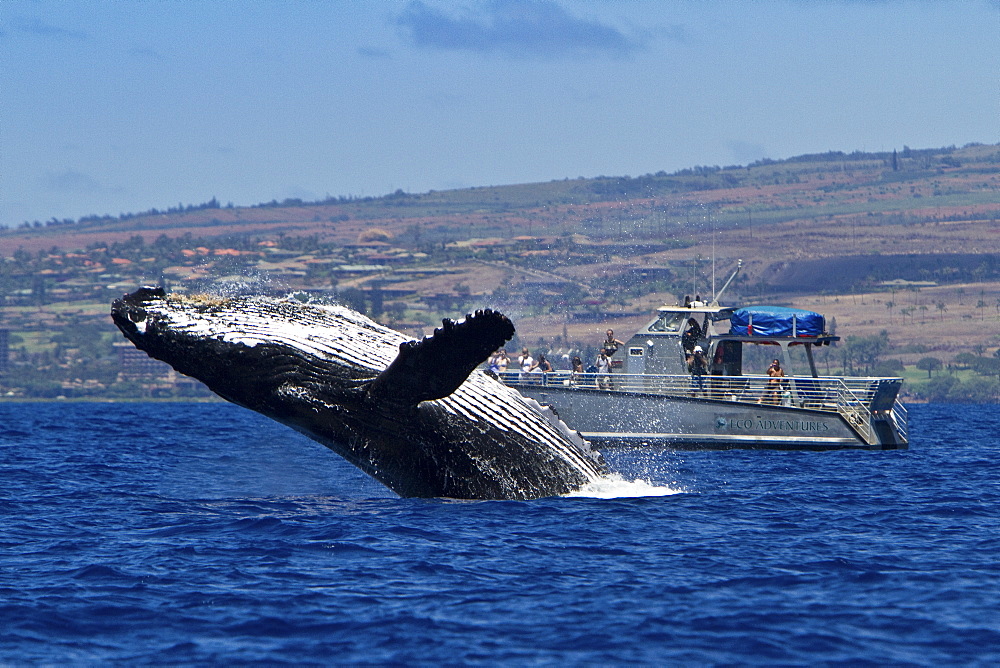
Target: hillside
[
  {"x": 876, "y": 240},
  {"x": 925, "y": 202}
]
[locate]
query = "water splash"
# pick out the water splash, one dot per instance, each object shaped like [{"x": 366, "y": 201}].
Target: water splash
[
  {"x": 249, "y": 284},
  {"x": 614, "y": 486}
]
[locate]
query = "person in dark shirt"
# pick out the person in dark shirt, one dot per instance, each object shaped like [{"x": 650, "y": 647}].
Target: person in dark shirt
[
  {"x": 691, "y": 335},
  {"x": 611, "y": 343},
  {"x": 542, "y": 364},
  {"x": 698, "y": 366}
]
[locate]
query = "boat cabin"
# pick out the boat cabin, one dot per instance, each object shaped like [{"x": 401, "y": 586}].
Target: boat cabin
[{"x": 664, "y": 344}]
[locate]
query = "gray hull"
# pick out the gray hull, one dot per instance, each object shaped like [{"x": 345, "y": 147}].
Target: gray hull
[{"x": 608, "y": 417}]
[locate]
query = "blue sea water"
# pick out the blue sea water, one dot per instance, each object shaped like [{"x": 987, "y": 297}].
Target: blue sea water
[{"x": 205, "y": 534}]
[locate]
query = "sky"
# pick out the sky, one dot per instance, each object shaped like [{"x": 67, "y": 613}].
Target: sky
[{"x": 110, "y": 107}]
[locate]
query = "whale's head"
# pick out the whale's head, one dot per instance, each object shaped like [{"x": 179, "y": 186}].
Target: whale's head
[{"x": 247, "y": 349}]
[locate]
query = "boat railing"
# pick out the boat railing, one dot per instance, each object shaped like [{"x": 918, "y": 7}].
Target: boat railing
[
  {"x": 900, "y": 416},
  {"x": 851, "y": 397}
]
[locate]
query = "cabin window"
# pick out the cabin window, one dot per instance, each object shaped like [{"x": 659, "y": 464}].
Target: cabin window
[
  {"x": 728, "y": 359},
  {"x": 636, "y": 352},
  {"x": 669, "y": 322}
]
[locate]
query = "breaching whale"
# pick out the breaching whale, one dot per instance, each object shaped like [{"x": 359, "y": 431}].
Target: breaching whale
[{"x": 415, "y": 415}]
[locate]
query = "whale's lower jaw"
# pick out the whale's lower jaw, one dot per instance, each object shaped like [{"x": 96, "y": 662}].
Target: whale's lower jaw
[{"x": 480, "y": 442}]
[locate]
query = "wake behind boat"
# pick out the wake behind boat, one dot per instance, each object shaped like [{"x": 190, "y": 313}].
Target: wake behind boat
[{"x": 657, "y": 400}]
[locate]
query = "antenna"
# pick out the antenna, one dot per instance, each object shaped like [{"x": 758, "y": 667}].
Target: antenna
[
  {"x": 713, "y": 257},
  {"x": 715, "y": 299}
]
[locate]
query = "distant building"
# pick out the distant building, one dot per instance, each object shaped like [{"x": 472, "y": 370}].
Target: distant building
[
  {"x": 156, "y": 378},
  {"x": 134, "y": 364},
  {"x": 653, "y": 273}
]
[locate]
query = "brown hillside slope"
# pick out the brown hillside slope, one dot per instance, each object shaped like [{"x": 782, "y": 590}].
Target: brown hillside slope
[
  {"x": 938, "y": 200},
  {"x": 807, "y": 228}
]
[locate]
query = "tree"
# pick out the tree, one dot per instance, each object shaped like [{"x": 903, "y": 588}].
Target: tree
[
  {"x": 888, "y": 368},
  {"x": 977, "y": 391},
  {"x": 396, "y": 311},
  {"x": 965, "y": 359},
  {"x": 941, "y": 307},
  {"x": 866, "y": 351},
  {"x": 987, "y": 366},
  {"x": 941, "y": 388},
  {"x": 929, "y": 364}
]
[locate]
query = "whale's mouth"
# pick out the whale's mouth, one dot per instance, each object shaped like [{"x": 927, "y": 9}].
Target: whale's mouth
[{"x": 129, "y": 312}]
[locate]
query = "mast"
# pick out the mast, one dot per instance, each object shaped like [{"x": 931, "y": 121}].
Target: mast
[
  {"x": 713, "y": 259},
  {"x": 715, "y": 298}
]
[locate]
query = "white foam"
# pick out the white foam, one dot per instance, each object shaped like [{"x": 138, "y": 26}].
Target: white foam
[{"x": 613, "y": 486}]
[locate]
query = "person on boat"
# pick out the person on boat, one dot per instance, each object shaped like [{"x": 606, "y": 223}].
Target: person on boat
[
  {"x": 719, "y": 360},
  {"x": 775, "y": 383},
  {"x": 698, "y": 366},
  {"x": 577, "y": 370},
  {"x": 691, "y": 335},
  {"x": 611, "y": 343},
  {"x": 499, "y": 362},
  {"x": 541, "y": 364},
  {"x": 525, "y": 362},
  {"x": 603, "y": 371}
]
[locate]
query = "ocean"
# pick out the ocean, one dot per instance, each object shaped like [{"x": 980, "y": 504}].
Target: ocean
[{"x": 199, "y": 534}]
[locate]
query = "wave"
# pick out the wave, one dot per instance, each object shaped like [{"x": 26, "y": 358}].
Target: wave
[{"x": 614, "y": 486}]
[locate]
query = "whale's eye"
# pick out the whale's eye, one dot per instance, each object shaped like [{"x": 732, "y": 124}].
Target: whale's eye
[{"x": 137, "y": 316}]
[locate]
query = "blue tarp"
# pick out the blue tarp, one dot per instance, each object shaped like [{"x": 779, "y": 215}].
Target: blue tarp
[{"x": 775, "y": 321}]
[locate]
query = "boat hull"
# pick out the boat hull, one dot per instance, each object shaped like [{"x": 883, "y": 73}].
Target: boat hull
[{"x": 607, "y": 417}]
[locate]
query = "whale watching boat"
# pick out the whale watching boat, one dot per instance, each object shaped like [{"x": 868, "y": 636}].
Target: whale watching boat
[{"x": 656, "y": 400}]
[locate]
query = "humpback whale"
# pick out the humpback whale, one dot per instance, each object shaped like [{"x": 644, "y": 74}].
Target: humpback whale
[{"x": 415, "y": 415}]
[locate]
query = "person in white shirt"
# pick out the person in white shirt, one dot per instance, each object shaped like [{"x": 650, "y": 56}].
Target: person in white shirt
[{"x": 525, "y": 362}]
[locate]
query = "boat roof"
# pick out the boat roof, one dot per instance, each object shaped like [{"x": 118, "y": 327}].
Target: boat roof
[
  {"x": 793, "y": 340},
  {"x": 716, "y": 309}
]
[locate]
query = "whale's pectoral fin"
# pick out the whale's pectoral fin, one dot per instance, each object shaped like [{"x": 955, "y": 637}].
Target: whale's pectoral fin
[{"x": 434, "y": 367}]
